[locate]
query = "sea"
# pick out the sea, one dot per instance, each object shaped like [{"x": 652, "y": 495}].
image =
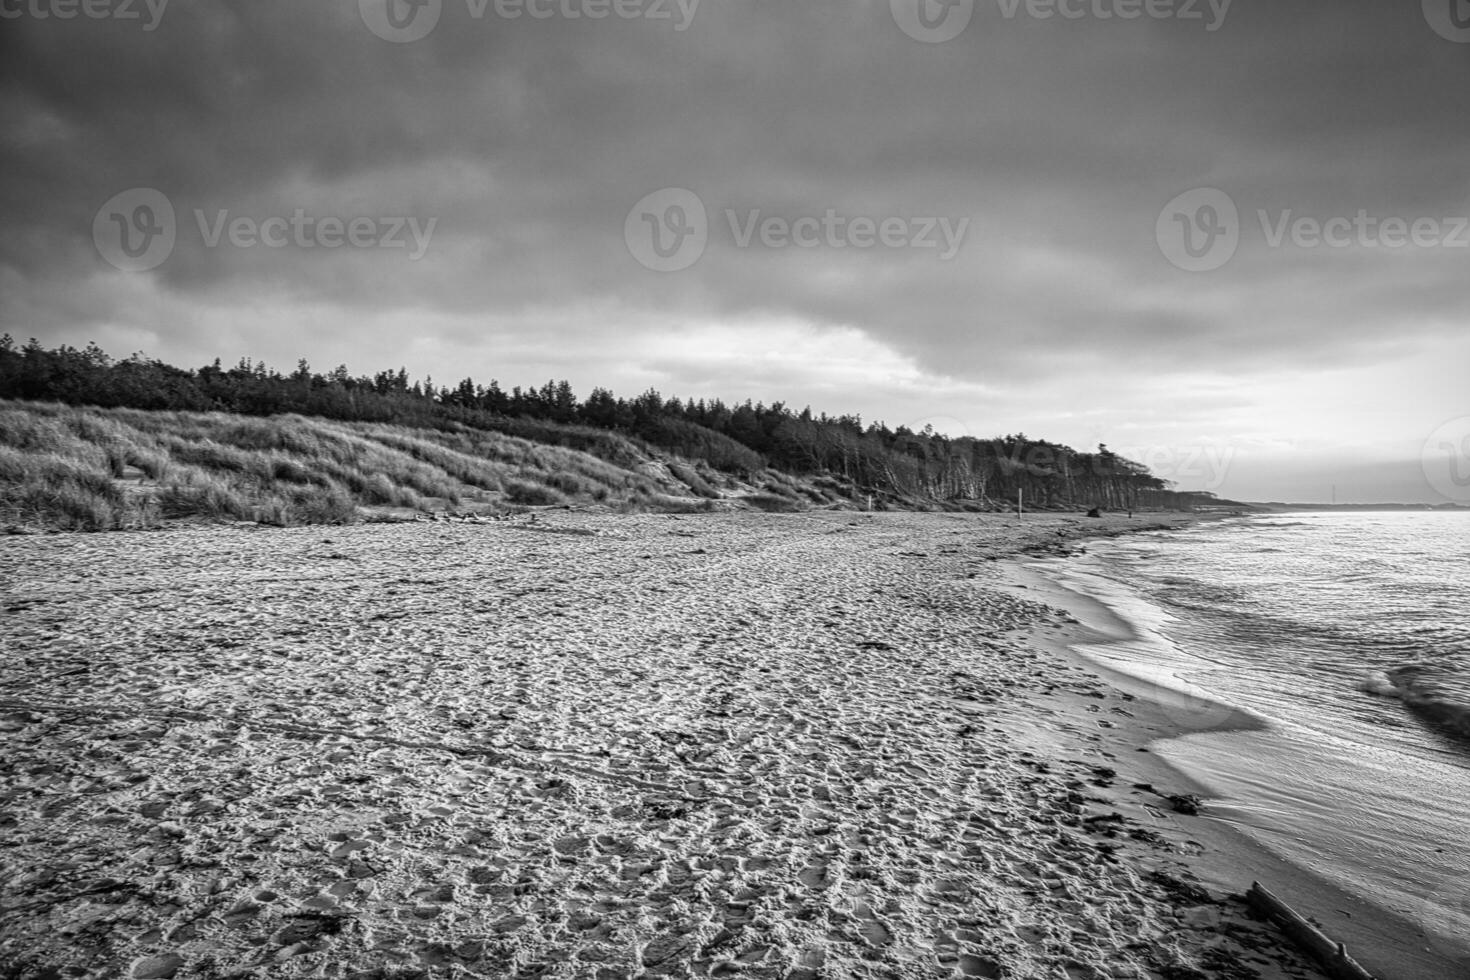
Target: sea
[{"x": 1348, "y": 636}]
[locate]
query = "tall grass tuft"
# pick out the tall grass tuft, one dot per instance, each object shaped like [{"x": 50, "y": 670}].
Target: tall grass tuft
[
  {"x": 773, "y": 503},
  {"x": 534, "y": 494},
  {"x": 693, "y": 480}
]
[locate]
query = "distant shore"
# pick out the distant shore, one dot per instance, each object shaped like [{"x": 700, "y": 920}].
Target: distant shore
[
  {"x": 608, "y": 746},
  {"x": 1280, "y": 508}
]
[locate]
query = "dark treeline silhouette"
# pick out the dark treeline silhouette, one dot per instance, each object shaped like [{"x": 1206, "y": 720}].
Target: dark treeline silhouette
[{"x": 738, "y": 439}]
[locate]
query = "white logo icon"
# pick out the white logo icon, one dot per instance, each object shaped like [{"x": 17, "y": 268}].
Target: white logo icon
[
  {"x": 1199, "y": 230},
  {"x": 1446, "y": 459},
  {"x": 1445, "y": 914},
  {"x": 401, "y": 21},
  {"x": 668, "y": 230},
  {"x": 1449, "y": 18},
  {"x": 932, "y": 21},
  {"x": 135, "y": 231}
]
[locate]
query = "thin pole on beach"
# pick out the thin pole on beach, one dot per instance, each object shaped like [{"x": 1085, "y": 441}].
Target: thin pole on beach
[{"x": 1021, "y": 504}]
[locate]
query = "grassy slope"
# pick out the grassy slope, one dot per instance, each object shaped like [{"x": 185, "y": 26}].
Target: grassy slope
[{"x": 103, "y": 469}]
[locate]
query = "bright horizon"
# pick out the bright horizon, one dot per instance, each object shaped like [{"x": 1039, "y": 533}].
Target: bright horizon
[{"x": 1231, "y": 248}]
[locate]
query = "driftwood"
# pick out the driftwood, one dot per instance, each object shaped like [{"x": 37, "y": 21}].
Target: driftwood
[{"x": 1333, "y": 956}]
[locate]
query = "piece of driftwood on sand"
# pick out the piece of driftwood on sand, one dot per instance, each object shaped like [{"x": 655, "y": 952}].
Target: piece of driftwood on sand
[{"x": 1333, "y": 956}]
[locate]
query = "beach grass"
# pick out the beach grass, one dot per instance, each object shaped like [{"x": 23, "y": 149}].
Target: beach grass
[{"x": 90, "y": 469}]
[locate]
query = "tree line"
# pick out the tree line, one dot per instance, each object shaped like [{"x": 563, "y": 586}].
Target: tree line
[{"x": 741, "y": 439}]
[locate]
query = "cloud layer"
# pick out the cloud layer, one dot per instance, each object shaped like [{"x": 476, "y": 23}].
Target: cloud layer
[{"x": 527, "y": 141}]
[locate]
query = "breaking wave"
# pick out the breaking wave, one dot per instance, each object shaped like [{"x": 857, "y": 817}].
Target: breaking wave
[{"x": 1437, "y": 694}]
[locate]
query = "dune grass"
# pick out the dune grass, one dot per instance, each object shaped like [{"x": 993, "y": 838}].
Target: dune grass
[
  {"x": 104, "y": 469},
  {"x": 694, "y": 481},
  {"x": 773, "y": 503}
]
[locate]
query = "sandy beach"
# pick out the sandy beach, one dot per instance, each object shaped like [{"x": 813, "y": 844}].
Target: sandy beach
[{"x": 820, "y": 745}]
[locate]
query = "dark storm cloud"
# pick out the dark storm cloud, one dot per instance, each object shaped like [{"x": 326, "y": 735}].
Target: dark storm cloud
[{"x": 527, "y": 141}]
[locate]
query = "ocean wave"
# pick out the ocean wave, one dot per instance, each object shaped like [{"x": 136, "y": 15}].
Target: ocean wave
[
  {"x": 1438, "y": 695},
  {"x": 1378, "y": 683}
]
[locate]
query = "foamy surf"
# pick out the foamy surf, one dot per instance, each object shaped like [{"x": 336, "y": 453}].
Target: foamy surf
[
  {"x": 1141, "y": 657},
  {"x": 1439, "y": 696},
  {"x": 1346, "y": 635}
]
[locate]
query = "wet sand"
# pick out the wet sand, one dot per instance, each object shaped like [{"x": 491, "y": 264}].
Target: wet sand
[
  {"x": 823, "y": 745},
  {"x": 1388, "y": 943}
]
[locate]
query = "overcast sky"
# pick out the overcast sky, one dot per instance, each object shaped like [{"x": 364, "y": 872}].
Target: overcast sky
[{"x": 979, "y": 223}]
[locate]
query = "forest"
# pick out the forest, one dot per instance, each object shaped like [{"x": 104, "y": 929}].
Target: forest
[{"x": 897, "y": 466}]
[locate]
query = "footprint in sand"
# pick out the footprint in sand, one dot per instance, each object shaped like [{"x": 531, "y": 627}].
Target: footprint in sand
[
  {"x": 978, "y": 966},
  {"x": 814, "y": 875}
]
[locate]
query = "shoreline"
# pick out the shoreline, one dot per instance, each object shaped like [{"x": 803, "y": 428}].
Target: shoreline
[
  {"x": 773, "y": 746},
  {"x": 1385, "y": 941}
]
